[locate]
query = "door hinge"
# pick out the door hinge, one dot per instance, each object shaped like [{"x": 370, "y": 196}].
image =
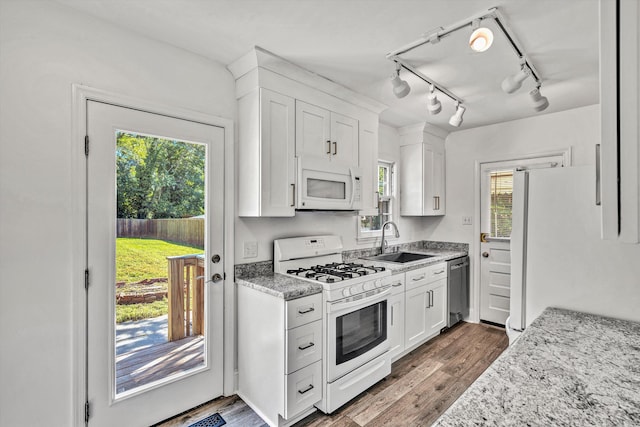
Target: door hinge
[
  {"x": 86, "y": 145},
  {"x": 86, "y": 278},
  {"x": 86, "y": 412}
]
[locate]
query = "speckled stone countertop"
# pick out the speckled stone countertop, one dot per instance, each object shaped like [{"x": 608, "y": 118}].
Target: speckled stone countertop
[
  {"x": 281, "y": 286},
  {"x": 567, "y": 369},
  {"x": 439, "y": 255}
]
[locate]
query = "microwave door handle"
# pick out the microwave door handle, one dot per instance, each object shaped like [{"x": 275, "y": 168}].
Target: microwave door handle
[{"x": 353, "y": 187}]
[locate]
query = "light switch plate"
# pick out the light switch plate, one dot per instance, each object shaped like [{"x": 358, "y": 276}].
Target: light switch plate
[
  {"x": 466, "y": 220},
  {"x": 250, "y": 249}
]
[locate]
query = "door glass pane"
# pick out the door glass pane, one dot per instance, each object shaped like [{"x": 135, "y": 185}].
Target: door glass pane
[
  {"x": 501, "y": 190},
  {"x": 159, "y": 289}
]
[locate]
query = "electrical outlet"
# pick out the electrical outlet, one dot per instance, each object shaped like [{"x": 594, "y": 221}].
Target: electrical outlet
[
  {"x": 466, "y": 220},
  {"x": 250, "y": 249}
]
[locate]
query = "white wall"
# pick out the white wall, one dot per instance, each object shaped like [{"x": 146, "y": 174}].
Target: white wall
[
  {"x": 44, "y": 48},
  {"x": 578, "y": 129},
  {"x": 265, "y": 230}
]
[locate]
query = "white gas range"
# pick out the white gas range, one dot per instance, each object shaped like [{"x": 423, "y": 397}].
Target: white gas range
[{"x": 355, "y": 317}]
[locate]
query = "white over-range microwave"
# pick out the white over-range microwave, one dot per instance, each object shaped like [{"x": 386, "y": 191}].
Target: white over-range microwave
[{"x": 324, "y": 185}]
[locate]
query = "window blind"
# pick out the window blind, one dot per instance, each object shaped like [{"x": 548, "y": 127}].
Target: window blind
[{"x": 501, "y": 203}]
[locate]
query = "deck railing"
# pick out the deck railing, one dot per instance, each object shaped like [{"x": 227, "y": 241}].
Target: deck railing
[{"x": 186, "y": 296}]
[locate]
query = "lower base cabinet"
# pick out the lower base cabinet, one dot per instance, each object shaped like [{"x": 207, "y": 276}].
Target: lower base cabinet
[
  {"x": 418, "y": 307},
  {"x": 279, "y": 355}
]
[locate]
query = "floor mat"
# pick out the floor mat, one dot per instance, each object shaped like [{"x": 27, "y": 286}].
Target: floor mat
[{"x": 214, "y": 420}]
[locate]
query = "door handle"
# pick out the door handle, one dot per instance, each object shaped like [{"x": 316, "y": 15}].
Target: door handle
[
  {"x": 216, "y": 278},
  {"x": 485, "y": 254},
  {"x": 215, "y": 259}
]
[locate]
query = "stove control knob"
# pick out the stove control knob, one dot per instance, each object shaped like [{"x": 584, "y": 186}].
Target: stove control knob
[
  {"x": 378, "y": 283},
  {"x": 368, "y": 286},
  {"x": 346, "y": 292},
  {"x": 356, "y": 289}
]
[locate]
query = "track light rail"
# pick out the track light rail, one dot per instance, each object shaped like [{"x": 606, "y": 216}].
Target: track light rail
[
  {"x": 426, "y": 79},
  {"x": 433, "y": 37}
]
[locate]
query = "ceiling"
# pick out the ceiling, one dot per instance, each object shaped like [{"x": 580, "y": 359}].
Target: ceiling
[{"x": 347, "y": 40}]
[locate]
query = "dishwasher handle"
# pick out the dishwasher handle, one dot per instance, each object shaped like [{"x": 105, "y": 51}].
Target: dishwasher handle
[{"x": 461, "y": 265}]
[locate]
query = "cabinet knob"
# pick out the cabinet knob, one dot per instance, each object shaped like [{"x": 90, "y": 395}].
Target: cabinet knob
[{"x": 485, "y": 254}]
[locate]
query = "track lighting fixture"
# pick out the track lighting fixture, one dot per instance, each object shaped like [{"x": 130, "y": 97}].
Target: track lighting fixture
[
  {"x": 434, "y": 106},
  {"x": 481, "y": 37},
  {"x": 480, "y": 40},
  {"x": 456, "y": 119},
  {"x": 514, "y": 81},
  {"x": 400, "y": 87},
  {"x": 539, "y": 102}
]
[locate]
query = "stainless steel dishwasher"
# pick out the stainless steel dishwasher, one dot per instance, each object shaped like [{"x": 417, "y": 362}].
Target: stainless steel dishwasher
[{"x": 458, "y": 281}]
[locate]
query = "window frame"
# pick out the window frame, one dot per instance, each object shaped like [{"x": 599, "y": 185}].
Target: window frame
[{"x": 391, "y": 197}]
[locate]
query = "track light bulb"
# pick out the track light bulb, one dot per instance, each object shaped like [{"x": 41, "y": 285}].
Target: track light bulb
[
  {"x": 400, "y": 87},
  {"x": 539, "y": 102},
  {"x": 434, "y": 106},
  {"x": 481, "y": 39},
  {"x": 456, "y": 119},
  {"x": 514, "y": 82}
]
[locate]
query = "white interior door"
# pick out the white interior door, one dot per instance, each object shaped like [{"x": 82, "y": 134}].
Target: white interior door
[
  {"x": 199, "y": 356},
  {"x": 496, "y": 212}
]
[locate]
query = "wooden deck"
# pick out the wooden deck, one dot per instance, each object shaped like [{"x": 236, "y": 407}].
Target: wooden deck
[{"x": 140, "y": 367}]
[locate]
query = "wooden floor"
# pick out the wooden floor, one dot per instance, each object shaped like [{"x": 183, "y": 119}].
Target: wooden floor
[
  {"x": 140, "y": 367},
  {"x": 422, "y": 385}
]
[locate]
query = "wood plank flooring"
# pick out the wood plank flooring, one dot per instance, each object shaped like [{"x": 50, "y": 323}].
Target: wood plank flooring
[{"x": 422, "y": 385}]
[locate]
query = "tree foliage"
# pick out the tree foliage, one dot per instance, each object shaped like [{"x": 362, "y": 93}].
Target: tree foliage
[{"x": 159, "y": 178}]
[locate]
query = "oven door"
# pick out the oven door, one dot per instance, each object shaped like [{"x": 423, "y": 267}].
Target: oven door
[{"x": 357, "y": 332}]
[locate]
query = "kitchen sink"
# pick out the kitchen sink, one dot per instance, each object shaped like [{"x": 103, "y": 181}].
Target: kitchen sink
[{"x": 400, "y": 257}]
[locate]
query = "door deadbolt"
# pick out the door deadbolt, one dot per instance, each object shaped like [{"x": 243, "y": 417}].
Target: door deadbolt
[
  {"x": 215, "y": 259},
  {"x": 216, "y": 278},
  {"x": 485, "y": 254}
]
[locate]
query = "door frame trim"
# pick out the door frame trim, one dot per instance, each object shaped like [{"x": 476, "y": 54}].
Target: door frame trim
[
  {"x": 80, "y": 95},
  {"x": 474, "y": 247}
]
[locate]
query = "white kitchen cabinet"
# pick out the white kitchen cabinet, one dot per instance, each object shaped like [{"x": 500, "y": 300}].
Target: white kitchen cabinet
[
  {"x": 326, "y": 135},
  {"x": 422, "y": 179},
  {"x": 425, "y": 304},
  {"x": 368, "y": 155},
  {"x": 396, "y": 313},
  {"x": 280, "y": 349},
  {"x": 618, "y": 189},
  {"x": 266, "y": 150}
]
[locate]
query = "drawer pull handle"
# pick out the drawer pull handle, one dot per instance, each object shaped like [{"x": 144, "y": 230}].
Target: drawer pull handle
[
  {"x": 415, "y": 279},
  {"x": 304, "y": 347},
  {"x": 306, "y": 389},
  {"x": 439, "y": 272},
  {"x": 308, "y": 310},
  {"x": 395, "y": 285}
]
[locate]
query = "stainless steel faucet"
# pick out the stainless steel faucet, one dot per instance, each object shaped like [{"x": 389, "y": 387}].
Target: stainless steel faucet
[{"x": 383, "y": 244}]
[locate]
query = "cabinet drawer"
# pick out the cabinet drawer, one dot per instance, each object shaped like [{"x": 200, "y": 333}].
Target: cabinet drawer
[
  {"x": 416, "y": 278},
  {"x": 437, "y": 271},
  {"x": 397, "y": 283},
  {"x": 304, "y": 310},
  {"x": 304, "y": 389},
  {"x": 304, "y": 346}
]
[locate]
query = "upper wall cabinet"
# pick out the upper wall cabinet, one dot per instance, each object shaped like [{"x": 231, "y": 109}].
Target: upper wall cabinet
[
  {"x": 286, "y": 112},
  {"x": 266, "y": 147},
  {"x": 326, "y": 135},
  {"x": 618, "y": 165},
  {"x": 422, "y": 172}
]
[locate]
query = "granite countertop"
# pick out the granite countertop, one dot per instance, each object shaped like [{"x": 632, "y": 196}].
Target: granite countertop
[
  {"x": 440, "y": 255},
  {"x": 281, "y": 285},
  {"x": 567, "y": 369}
]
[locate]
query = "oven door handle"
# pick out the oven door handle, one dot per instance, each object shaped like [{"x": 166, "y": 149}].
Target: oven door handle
[{"x": 336, "y": 307}]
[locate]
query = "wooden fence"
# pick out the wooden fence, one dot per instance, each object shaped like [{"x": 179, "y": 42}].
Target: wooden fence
[{"x": 189, "y": 231}]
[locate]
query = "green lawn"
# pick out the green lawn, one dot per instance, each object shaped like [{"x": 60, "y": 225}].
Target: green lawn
[{"x": 138, "y": 259}]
